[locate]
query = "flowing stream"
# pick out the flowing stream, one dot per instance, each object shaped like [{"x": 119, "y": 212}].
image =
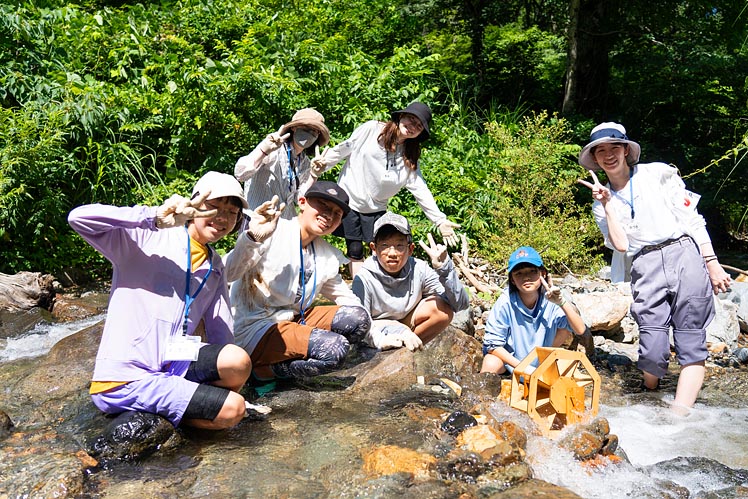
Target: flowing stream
[{"x": 313, "y": 451}]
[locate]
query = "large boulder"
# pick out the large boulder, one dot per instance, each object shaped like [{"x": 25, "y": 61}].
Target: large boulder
[
  {"x": 604, "y": 310},
  {"x": 738, "y": 295}
]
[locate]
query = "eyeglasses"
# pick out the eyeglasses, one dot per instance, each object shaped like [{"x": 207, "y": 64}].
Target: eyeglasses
[{"x": 384, "y": 247}]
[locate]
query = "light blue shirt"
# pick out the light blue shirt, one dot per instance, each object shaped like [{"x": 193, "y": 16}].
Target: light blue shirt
[{"x": 518, "y": 329}]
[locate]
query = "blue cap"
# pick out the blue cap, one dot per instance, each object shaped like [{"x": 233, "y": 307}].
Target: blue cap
[{"x": 524, "y": 254}]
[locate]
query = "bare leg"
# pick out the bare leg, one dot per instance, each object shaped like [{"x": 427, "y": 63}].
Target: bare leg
[
  {"x": 492, "y": 364},
  {"x": 689, "y": 383},
  {"x": 234, "y": 366},
  {"x": 650, "y": 380},
  {"x": 431, "y": 317},
  {"x": 230, "y": 415}
]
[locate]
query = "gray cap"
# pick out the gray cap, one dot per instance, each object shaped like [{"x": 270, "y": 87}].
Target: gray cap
[{"x": 399, "y": 222}]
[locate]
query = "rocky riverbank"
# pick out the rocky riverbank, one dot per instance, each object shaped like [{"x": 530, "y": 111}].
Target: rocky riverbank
[{"x": 372, "y": 430}]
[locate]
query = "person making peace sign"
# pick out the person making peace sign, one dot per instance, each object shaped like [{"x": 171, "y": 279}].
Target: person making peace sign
[{"x": 525, "y": 317}]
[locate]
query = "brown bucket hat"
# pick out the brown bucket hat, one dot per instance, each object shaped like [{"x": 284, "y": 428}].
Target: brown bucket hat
[{"x": 309, "y": 118}]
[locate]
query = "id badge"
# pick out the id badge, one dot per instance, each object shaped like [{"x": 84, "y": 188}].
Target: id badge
[
  {"x": 182, "y": 348},
  {"x": 390, "y": 176}
]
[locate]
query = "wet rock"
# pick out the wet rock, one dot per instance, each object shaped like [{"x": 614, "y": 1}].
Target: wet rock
[
  {"x": 5, "y": 424},
  {"x": 512, "y": 433},
  {"x": 391, "y": 459},
  {"x": 132, "y": 435},
  {"x": 535, "y": 489},
  {"x": 693, "y": 468},
  {"x": 502, "y": 454},
  {"x": 421, "y": 397},
  {"x": 16, "y": 322},
  {"x": 403, "y": 486},
  {"x": 478, "y": 438},
  {"x": 70, "y": 308},
  {"x": 503, "y": 477},
  {"x": 42, "y": 463},
  {"x": 587, "y": 441},
  {"x": 387, "y": 372},
  {"x": 451, "y": 354},
  {"x": 457, "y": 422},
  {"x": 462, "y": 466}
]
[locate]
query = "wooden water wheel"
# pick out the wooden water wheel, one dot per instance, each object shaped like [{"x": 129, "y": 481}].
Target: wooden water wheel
[{"x": 563, "y": 389}]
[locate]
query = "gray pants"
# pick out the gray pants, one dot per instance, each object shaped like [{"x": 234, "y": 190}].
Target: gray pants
[{"x": 671, "y": 287}]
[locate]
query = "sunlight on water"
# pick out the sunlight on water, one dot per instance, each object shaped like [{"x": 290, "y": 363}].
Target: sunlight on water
[
  {"x": 652, "y": 434},
  {"x": 41, "y": 339},
  {"x": 649, "y": 434}
]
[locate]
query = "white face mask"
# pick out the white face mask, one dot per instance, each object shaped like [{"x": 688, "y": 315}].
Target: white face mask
[{"x": 305, "y": 137}]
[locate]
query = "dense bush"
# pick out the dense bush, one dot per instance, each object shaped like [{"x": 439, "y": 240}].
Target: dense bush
[{"x": 123, "y": 103}]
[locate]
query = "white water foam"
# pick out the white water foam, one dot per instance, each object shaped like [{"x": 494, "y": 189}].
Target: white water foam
[
  {"x": 650, "y": 434},
  {"x": 42, "y": 338}
]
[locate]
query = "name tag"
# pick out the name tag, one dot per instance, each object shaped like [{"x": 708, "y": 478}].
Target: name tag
[{"x": 182, "y": 348}]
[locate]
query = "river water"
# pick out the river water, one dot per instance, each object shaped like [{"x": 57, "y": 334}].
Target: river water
[{"x": 652, "y": 436}]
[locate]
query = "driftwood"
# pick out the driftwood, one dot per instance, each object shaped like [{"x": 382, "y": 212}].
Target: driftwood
[
  {"x": 26, "y": 290},
  {"x": 462, "y": 263},
  {"x": 734, "y": 269}
]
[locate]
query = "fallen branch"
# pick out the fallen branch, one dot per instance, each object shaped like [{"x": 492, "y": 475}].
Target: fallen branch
[
  {"x": 26, "y": 290},
  {"x": 478, "y": 285},
  {"x": 734, "y": 269}
]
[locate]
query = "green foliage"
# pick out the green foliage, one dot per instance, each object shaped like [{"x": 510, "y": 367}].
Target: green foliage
[
  {"x": 124, "y": 103},
  {"x": 513, "y": 185}
]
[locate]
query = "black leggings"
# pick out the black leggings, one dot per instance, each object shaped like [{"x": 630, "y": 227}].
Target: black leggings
[{"x": 327, "y": 349}]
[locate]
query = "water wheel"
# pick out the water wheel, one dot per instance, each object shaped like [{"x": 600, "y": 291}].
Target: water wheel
[{"x": 564, "y": 389}]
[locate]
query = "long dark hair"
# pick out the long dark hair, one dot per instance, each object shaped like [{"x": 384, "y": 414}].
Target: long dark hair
[{"x": 411, "y": 147}]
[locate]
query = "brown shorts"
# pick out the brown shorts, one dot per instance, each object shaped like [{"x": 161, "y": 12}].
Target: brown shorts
[{"x": 288, "y": 340}]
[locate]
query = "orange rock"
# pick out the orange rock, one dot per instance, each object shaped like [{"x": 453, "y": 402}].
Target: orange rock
[
  {"x": 601, "y": 461},
  {"x": 85, "y": 459},
  {"x": 390, "y": 459},
  {"x": 506, "y": 391},
  {"x": 478, "y": 438}
]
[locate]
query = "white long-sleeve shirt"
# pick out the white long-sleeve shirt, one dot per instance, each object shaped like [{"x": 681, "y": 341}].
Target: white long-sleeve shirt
[
  {"x": 266, "y": 287},
  {"x": 663, "y": 209},
  {"x": 371, "y": 175}
]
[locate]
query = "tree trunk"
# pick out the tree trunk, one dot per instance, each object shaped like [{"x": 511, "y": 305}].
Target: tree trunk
[
  {"x": 586, "y": 87},
  {"x": 26, "y": 290},
  {"x": 570, "y": 88}
]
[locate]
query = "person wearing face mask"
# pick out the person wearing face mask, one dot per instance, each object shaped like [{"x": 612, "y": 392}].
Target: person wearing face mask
[
  {"x": 382, "y": 158},
  {"x": 279, "y": 165}
]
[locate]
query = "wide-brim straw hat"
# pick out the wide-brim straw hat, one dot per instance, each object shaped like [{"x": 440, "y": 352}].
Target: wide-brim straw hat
[
  {"x": 309, "y": 118},
  {"x": 604, "y": 133},
  {"x": 420, "y": 111}
]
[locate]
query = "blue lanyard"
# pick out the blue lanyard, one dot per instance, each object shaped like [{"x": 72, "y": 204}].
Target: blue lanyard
[
  {"x": 302, "y": 307},
  {"x": 631, "y": 193},
  {"x": 188, "y": 299},
  {"x": 292, "y": 175}
]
